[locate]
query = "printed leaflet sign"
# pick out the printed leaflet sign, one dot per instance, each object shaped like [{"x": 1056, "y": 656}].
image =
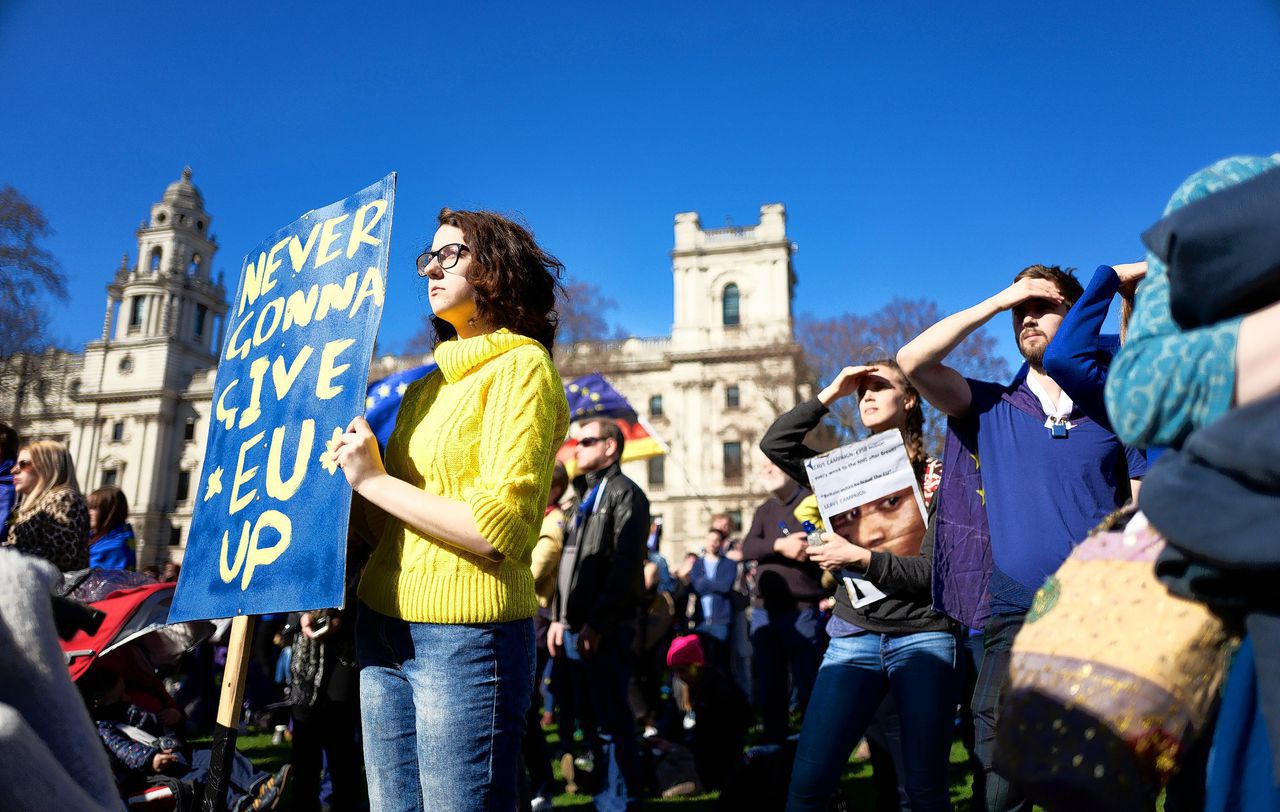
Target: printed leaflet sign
[
  {"x": 867, "y": 493},
  {"x": 271, "y": 509}
]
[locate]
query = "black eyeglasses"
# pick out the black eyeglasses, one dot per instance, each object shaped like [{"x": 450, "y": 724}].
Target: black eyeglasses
[
  {"x": 446, "y": 257},
  {"x": 587, "y": 442}
]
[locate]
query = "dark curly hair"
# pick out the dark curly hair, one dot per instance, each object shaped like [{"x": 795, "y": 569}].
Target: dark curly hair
[{"x": 515, "y": 280}]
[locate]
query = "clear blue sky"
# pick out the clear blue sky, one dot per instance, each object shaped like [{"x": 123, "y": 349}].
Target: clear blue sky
[{"x": 920, "y": 148}]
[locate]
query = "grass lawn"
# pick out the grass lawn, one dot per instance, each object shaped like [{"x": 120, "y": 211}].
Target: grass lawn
[{"x": 856, "y": 780}]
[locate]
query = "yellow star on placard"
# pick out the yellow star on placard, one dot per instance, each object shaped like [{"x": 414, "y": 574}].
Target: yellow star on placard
[
  {"x": 326, "y": 457},
  {"x": 213, "y": 485}
]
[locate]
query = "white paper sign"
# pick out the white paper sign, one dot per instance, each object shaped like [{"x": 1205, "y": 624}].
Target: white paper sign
[{"x": 868, "y": 493}]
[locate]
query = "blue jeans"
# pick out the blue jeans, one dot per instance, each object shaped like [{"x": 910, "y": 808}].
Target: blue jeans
[
  {"x": 442, "y": 710},
  {"x": 783, "y": 644},
  {"x": 857, "y": 672}
]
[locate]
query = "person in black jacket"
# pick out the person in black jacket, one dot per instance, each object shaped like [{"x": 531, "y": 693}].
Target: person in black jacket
[
  {"x": 897, "y": 645},
  {"x": 597, "y": 602}
]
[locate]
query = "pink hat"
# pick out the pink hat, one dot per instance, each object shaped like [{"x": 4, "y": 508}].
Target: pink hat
[{"x": 686, "y": 651}]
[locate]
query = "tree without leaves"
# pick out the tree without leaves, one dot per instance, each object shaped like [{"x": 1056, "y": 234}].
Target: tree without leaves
[
  {"x": 834, "y": 343},
  {"x": 28, "y": 274},
  {"x": 582, "y": 307}
]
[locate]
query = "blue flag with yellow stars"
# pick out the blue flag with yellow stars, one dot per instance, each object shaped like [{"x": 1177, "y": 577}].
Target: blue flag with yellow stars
[
  {"x": 593, "y": 396},
  {"x": 382, "y": 401}
]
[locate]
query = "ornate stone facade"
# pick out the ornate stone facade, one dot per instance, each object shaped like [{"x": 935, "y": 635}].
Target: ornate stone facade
[
  {"x": 134, "y": 407},
  {"x": 711, "y": 389}
]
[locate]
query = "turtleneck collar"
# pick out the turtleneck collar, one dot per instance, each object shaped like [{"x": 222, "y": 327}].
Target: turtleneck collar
[{"x": 459, "y": 356}]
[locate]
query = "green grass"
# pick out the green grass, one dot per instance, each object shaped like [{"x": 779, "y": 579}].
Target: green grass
[{"x": 856, "y": 780}]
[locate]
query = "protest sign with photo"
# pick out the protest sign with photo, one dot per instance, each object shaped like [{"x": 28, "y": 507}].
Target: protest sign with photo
[
  {"x": 868, "y": 494},
  {"x": 269, "y": 530}
]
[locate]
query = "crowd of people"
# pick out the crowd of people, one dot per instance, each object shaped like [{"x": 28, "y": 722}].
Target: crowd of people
[{"x": 494, "y": 601}]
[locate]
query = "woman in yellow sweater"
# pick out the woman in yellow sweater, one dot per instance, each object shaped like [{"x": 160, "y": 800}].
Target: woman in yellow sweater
[{"x": 444, "y": 632}]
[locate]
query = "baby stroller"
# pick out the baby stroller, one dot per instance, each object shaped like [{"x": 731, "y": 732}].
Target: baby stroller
[{"x": 120, "y": 658}]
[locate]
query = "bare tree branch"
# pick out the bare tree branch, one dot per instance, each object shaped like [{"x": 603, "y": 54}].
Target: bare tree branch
[
  {"x": 29, "y": 273},
  {"x": 834, "y": 343}
]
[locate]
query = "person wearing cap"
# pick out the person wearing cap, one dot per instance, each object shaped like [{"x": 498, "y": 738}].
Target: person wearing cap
[{"x": 721, "y": 713}]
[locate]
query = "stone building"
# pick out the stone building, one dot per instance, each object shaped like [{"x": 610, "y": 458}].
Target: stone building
[
  {"x": 134, "y": 406},
  {"x": 710, "y": 389}
]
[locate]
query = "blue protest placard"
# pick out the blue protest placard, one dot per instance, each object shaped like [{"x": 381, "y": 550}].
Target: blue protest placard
[{"x": 270, "y": 524}]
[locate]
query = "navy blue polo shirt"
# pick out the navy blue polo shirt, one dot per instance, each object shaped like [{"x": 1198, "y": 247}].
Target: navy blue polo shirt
[{"x": 1043, "y": 495}]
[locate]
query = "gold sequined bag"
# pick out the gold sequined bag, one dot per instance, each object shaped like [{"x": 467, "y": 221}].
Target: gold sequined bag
[{"x": 1111, "y": 679}]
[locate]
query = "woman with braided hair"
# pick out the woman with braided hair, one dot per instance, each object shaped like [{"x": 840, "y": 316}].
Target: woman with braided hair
[{"x": 896, "y": 647}]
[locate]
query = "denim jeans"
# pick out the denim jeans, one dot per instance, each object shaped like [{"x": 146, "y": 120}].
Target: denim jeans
[
  {"x": 783, "y": 644},
  {"x": 443, "y": 711},
  {"x": 856, "y": 674}
]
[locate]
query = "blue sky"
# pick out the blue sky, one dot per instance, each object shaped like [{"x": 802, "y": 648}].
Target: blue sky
[{"x": 921, "y": 149}]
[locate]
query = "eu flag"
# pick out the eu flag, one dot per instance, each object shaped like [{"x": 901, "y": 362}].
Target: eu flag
[
  {"x": 382, "y": 401},
  {"x": 593, "y": 396}
]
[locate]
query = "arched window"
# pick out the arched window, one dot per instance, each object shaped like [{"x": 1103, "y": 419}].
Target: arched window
[
  {"x": 155, "y": 260},
  {"x": 194, "y": 267},
  {"x": 732, "y": 317}
]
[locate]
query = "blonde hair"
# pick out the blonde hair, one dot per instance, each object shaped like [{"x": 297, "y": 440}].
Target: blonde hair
[{"x": 55, "y": 472}]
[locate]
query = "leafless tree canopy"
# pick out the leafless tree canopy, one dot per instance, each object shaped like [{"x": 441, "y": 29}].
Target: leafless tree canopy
[
  {"x": 582, "y": 308},
  {"x": 834, "y": 343},
  {"x": 28, "y": 274}
]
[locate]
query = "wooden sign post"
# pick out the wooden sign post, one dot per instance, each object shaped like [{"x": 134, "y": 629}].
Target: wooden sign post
[{"x": 230, "y": 706}]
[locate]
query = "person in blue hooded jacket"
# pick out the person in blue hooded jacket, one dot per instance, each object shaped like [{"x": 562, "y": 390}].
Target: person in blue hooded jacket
[{"x": 111, "y": 543}]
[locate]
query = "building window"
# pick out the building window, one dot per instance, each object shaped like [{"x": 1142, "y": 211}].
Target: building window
[
  {"x": 117, "y": 431},
  {"x": 732, "y": 318},
  {"x": 126, "y": 365},
  {"x": 194, "y": 267},
  {"x": 733, "y": 462},
  {"x": 135, "y": 313},
  {"x": 184, "y": 486},
  {"x": 655, "y": 406},
  {"x": 732, "y": 396},
  {"x": 735, "y": 518},
  {"x": 155, "y": 260},
  {"x": 202, "y": 315},
  {"x": 175, "y": 535},
  {"x": 189, "y": 430},
  {"x": 657, "y": 472},
  {"x": 110, "y": 477},
  {"x": 161, "y": 217}
]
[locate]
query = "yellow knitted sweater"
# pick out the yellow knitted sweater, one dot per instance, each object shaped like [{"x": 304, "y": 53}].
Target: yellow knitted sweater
[{"x": 485, "y": 431}]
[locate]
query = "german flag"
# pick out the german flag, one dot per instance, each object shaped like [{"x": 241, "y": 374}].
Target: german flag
[{"x": 592, "y": 396}]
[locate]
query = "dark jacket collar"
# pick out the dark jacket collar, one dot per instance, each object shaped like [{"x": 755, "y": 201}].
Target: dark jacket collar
[{"x": 594, "y": 477}]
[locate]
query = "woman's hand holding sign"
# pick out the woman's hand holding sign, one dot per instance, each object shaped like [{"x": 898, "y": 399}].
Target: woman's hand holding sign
[
  {"x": 357, "y": 454},
  {"x": 835, "y": 553},
  {"x": 446, "y": 519}
]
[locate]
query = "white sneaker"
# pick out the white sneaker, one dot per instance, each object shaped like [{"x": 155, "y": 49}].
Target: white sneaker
[{"x": 540, "y": 804}]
